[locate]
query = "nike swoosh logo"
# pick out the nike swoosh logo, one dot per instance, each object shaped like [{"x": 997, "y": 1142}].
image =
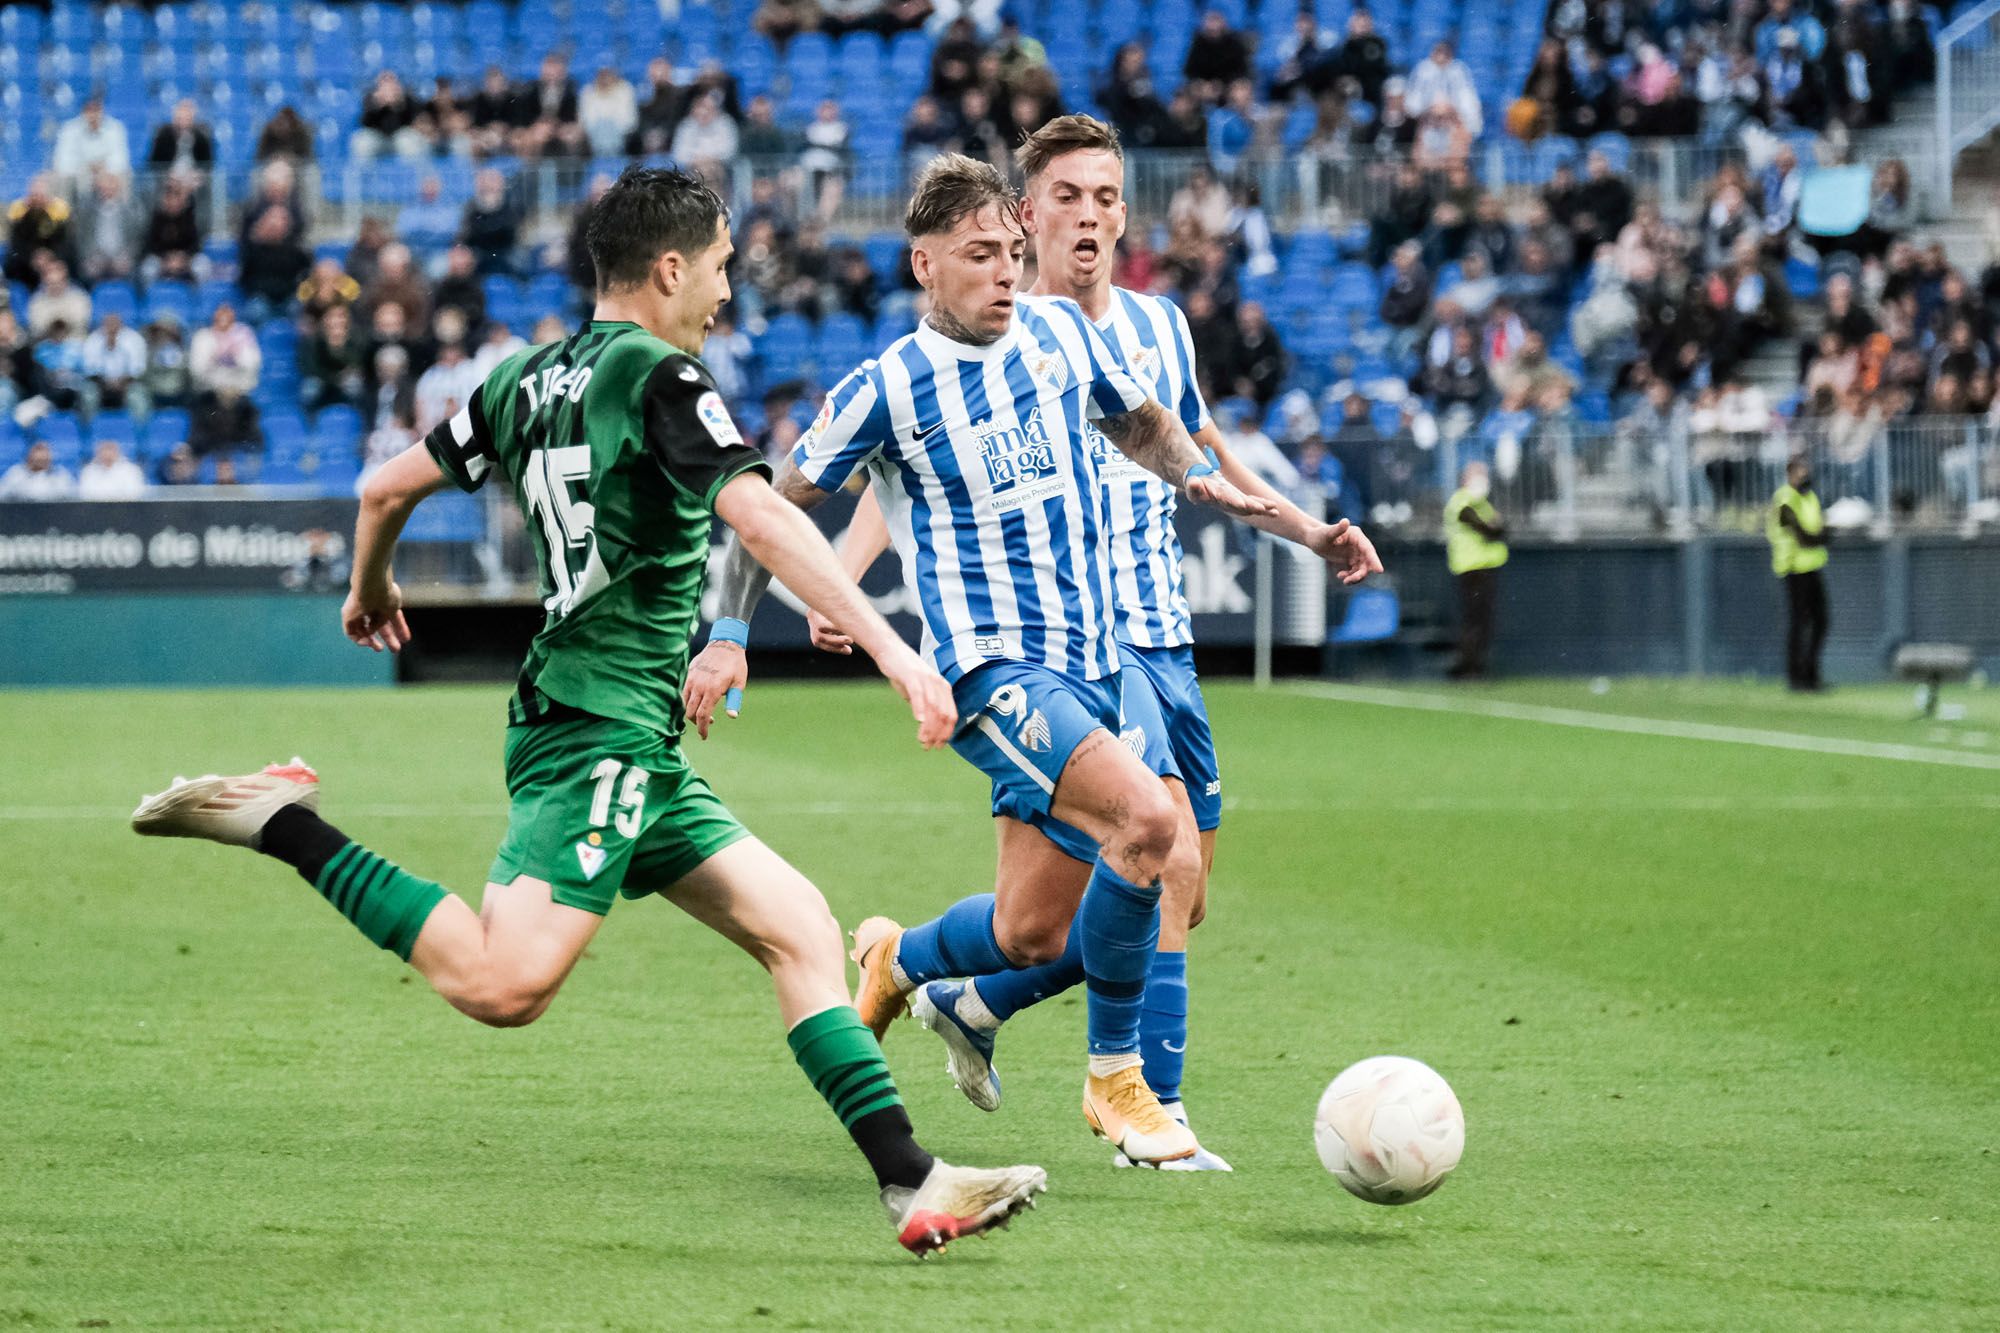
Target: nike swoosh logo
[
  {"x": 1177, "y": 1050},
  {"x": 927, "y": 432}
]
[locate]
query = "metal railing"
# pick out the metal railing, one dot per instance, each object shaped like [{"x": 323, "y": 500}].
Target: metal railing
[{"x": 1968, "y": 71}]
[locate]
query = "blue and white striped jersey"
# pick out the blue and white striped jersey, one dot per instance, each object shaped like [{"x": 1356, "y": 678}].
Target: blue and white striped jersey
[
  {"x": 1151, "y": 611},
  {"x": 984, "y": 470}
]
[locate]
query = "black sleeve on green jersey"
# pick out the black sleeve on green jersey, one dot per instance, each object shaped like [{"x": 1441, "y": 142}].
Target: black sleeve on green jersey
[
  {"x": 688, "y": 429},
  {"x": 463, "y": 446}
]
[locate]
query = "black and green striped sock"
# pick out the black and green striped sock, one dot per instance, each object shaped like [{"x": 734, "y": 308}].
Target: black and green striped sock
[
  {"x": 845, "y": 1065},
  {"x": 385, "y": 902}
]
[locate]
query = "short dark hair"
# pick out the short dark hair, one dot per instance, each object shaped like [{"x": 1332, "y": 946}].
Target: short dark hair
[
  {"x": 952, "y": 187},
  {"x": 1065, "y": 134},
  {"x": 647, "y": 212}
]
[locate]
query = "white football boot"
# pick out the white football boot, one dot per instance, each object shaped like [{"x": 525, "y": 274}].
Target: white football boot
[
  {"x": 957, "y": 1201},
  {"x": 227, "y": 810}
]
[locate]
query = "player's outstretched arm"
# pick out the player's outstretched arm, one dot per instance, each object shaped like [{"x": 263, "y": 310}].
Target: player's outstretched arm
[
  {"x": 1154, "y": 438},
  {"x": 867, "y": 536},
  {"x": 1341, "y": 544},
  {"x": 373, "y": 615},
  {"x": 770, "y": 527}
]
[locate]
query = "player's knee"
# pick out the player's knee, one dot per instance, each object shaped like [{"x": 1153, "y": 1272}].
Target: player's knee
[
  {"x": 1029, "y": 943},
  {"x": 808, "y": 938},
  {"x": 508, "y": 1001},
  {"x": 1150, "y": 832}
]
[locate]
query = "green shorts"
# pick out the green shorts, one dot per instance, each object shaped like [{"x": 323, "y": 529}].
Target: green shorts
[{"x": 601, "y": 807}]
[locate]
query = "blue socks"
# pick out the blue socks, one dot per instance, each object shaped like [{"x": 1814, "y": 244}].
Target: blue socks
[
  {"x": 1007, "y": 993},
  {"x": 958, "y": 944},
  {"x": 1163, "y": 1025},
  {"x": 1120, "y": 927}
]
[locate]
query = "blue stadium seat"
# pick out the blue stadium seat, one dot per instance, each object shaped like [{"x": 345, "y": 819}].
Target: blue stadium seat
[
  {"x": 448, "y": 516},
  {"x": 170, "y": 298},
  {"x": 117, "y": 427},
  {"x": 13, "y": 444},
  {"x": 167, "y": 428},
  {"x": 114, "y": 297},
  {"x": 337, "y": 428},
  {"x": 60, "y": 432}
]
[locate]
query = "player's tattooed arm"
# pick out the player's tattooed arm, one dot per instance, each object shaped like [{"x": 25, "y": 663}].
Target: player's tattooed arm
[
  {"x": 1154, "y": 438},
  {"x": 741, "y": 582}
]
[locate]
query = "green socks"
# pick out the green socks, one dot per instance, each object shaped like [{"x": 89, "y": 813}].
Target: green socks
[
  {"x": 846, "y": 1067},
  {"x": 386, "y": 903}
]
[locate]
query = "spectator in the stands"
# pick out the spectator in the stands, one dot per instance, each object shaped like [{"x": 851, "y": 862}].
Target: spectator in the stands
[
  {"x": 183, "y": 144},
  {"x": 90, "y": 142},
  {"x": 171, "y": 246},
  {"x": 224, "y": 424},
  {"x": 224, "y": 357},
  {"x": 782, "y": 20},
  {"x": 978, "y": 128},
  {"x": 285, "y": 135},
  {"x": 332, "y": 365},
  {"x": 1891, "y": 206},
  {"x": 1794, "y": 86},
  {"x": 271, "y": 262},
  {"x": 926, "y": 133},
  {"x": 1406, "y": 295},
  {"x": 58, "y": 368},
  {"x": 179, "y": 467},
  {"x": 1442, "y": 140},
  {"x": 1306, "y": 60},
  {"x": 1404, "y": 213},
  {"x": 432, "y": 221},
  {"x": 1205, "y": 201},
  {"x": 57, "y": 299},
  {"x": 608, "y": 109},
  {"x": 706, "y": 140},
  {"x": 492, "y": 225},
  {"x": 1907, "y": 45},
  {"x": 392, "y": 394},
  {"x": 1260, "y": 363},
  {"x": 110, "y": 475},
  {"x": 109, "y": 226},
  {"x": 1603, "y": 204},
  {"x": 1491, "y": 235},
  {"x": 388, "y": 122},
  {"x": 1461, "y": 380},
  {"x": 712, "y": 78},
  {"x": 445, "y": 118},
  {"x": 551, "y": 126},
  {"x": 1785, "y": 16},
  {"x": 1550, "y": 92},
  {"x": 14, "y": 361},
  {"x": 168, "y": 382},
  {"x": 388, "y": 326},
  {"x": 761, "y": 138},
  {"x": 38, "y": 223},
  {"x": 37, "y": 477},
  {"x": 460, "y": 288},
  {"x": 1443, "y": 77},
  {"x": 397, "y": 282},
  {"x": 660, "y": 111},
  {"x": 826, "y": 156},
  {"x": 369, "y": 240},
  {"x": 1217, "y": 56},
  {"x": 728, "y": 354},
  {"x": 327, "y": 287},
  {"x": 499, "y": 344},
  {"x": 497, "y": 111},
  {"x": 447, "y": 386},
  {"x": 114, "y": 361},
  {"x": 1232, "y": 127}
]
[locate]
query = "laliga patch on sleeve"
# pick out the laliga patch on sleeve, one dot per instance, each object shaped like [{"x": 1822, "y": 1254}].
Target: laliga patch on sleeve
[{"x": 715, "y": 417}]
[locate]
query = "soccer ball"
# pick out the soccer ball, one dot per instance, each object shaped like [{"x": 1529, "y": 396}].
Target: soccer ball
[{"x": 1389, "y": 1129}]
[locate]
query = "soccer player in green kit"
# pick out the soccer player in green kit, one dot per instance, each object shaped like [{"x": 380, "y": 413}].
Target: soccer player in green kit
[{"x": 619, "y": 451}]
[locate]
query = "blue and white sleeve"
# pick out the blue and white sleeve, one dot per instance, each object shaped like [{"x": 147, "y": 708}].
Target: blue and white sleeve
[
  {"x": 851, "y": 428},
  {"x": 1114, "y": 390},
  {"x": 1193, "y": 411}
]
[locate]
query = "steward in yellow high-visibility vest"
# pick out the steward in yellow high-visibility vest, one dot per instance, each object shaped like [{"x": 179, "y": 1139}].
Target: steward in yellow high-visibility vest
[
  {"x": 1474, "y": 550},
  {"x": 1797, "y": 532}
]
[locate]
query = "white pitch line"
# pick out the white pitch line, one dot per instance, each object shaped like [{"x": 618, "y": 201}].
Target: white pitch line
[
  {"x": 1527, "y": 805},
  {"x": 1644, "y": 726}
]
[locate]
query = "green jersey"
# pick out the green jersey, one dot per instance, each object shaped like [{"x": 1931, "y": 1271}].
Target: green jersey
[{"x": 616, "y": 445}]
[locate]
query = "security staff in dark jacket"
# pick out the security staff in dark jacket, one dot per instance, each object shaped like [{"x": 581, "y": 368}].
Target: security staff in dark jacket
[{"x": 1474, "y": 551}]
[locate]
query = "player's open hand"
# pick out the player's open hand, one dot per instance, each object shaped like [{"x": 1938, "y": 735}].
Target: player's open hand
[
  {"x": 1347, "y": 549},
  {"x": 1214, "y": 489},
  {"x": 717, "y": 675},
  {"x": 928, "y": 695},
  {"x": 825, "y": 637},
  {"x": 374, "y": 619}
]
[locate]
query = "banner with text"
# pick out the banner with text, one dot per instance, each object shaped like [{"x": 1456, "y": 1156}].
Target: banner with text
[{"x": 174, "y": 545}]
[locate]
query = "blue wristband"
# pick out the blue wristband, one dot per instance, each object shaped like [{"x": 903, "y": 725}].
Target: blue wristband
[
  {"x": 728, "y": 629},
  {"x": 1208, "y": 469}
]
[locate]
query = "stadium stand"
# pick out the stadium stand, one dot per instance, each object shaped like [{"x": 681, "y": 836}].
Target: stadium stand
[{"x": 1559, "y": 237}]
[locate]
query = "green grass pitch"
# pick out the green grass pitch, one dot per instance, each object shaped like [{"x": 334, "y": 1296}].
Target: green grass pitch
[{"x": 1724, "y": 1019}]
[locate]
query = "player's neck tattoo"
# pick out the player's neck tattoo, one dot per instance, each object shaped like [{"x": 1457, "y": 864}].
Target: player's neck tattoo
[{"x": 943, "y": 321}]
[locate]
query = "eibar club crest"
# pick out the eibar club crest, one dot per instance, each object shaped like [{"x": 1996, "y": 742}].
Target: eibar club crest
[{"x": 590, "y": 858}]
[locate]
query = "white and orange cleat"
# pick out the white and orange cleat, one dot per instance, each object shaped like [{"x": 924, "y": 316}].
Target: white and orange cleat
[
  {"x": 877, "y": 997},
  {"x": 957, "y": 1201},
  {"x": 1125, "y": 1113},
  {"x": 227, "y": 810}
]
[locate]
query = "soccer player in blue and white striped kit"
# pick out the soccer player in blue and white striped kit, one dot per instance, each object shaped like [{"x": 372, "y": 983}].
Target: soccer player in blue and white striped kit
[
  {"x": 1075, "y": 211},
  {"x": 973, "y": 433}
]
